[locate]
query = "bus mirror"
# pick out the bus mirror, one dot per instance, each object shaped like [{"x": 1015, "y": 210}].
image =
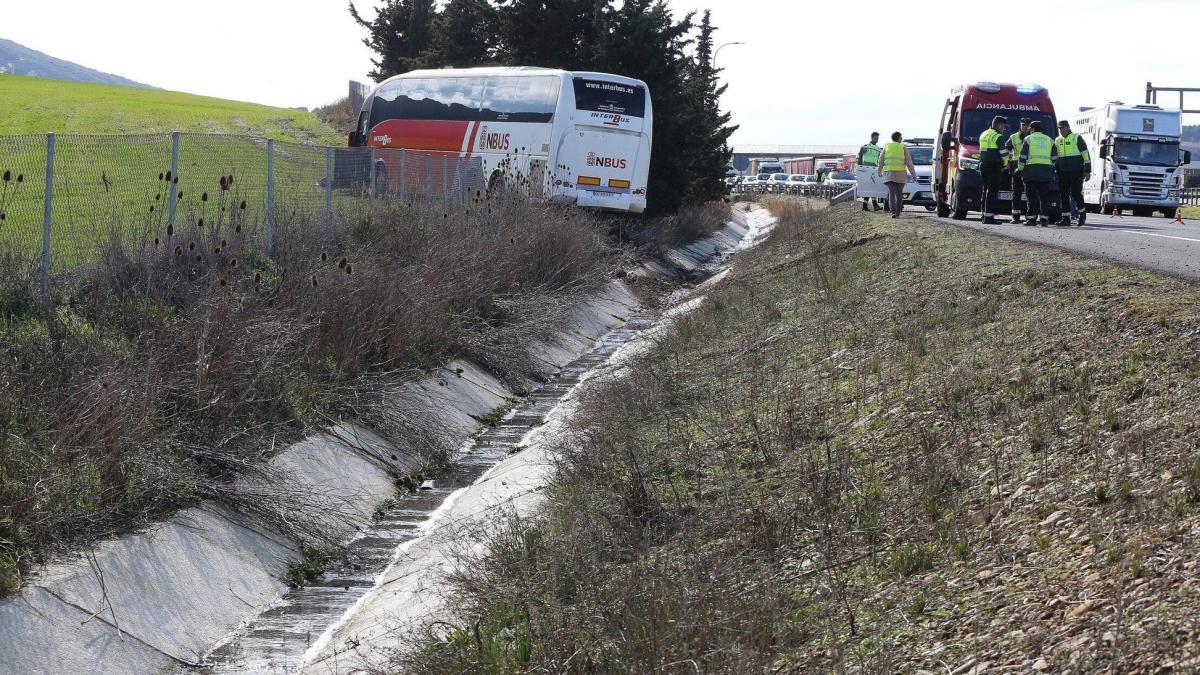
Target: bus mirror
[
  {"x": 1104, "y": 151},
  {"x": 947, "y": 140},
  {"x": 1187, "y": 156},
  {"x": 353, "y": 140}
]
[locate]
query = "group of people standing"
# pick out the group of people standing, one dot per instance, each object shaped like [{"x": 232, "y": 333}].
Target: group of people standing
[
  {"x": 1033, "y": 159},
  {"x": 1029, "y": 156},
  {"x": 895, "y": 166}
]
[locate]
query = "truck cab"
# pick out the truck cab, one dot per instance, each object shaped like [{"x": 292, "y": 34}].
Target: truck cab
[
  {"x": 968, "y": 111},
  {"x": 1136, "y": 159}
]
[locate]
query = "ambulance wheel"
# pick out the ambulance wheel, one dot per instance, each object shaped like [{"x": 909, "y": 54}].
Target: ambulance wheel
[{"x": 957, "y": 206}]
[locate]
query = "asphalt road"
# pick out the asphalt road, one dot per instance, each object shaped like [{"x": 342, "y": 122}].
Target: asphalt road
[{"x": 1156, "y": 244}]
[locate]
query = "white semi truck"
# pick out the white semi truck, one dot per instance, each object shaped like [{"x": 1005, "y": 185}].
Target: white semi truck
[{"x": 1136, "y": 160}]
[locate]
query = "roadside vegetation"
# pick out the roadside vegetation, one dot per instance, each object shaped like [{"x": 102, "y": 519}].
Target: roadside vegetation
[
  {"x": 878, "y": 446},
  {"x": 183, "y": 359},
  {"x": 32, "y": 105}
]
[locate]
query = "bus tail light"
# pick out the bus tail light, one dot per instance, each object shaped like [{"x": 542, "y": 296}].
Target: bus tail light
[
  {"x": 618, "y": 183},
  {"x": 588, "y": 180}
]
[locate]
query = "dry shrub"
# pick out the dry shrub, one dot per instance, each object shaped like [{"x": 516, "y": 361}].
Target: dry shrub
[{"x": 184, "y": 358}]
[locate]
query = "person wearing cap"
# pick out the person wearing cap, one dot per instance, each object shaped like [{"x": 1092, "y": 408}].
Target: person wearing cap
[
  {"x": 896, "y": 166},
  {"x": 1014, "y": 145},
  {"x": 992, "y": 155},
  {"x": 1074, "y": 166},
  {"x": 1036, "y": 165},
  {"x": 868, "y": 155}
]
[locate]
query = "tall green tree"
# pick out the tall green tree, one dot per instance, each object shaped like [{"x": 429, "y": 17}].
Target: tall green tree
[
  {"x": 464, "y": 34},
  {"x": 712, "y": 129},
  {"x": 643, "y": 39},
  {"x": 401, "y": 34},
  {"x": 549, "y": 33}
]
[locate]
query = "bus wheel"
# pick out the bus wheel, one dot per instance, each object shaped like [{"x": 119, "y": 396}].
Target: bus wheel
[{"x": 495, "y": 184}]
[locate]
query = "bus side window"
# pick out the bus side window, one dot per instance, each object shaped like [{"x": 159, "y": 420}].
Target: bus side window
[{"x": 520, "y": 99}]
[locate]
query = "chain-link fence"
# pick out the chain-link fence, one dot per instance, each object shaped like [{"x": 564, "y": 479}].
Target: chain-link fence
[{"x": 64, "y": 197}]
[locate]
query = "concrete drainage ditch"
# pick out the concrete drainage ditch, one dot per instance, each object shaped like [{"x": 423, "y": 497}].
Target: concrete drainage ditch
[
  {"x": 202, "y": 590},
  {"x": 277, "y": 640}
]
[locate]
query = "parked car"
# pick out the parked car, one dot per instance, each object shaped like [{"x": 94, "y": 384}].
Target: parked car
[
  {"x": 797, "y": 181},
  {"x": 749, "y": 184},
  {"x": 841, "y": 179},
  {"x": 777, "y": 183}
]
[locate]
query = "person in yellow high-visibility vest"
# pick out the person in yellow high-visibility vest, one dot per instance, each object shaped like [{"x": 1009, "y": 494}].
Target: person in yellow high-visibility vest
[
  {"x": 896, "y": 166},
  {"x": 993, "y": 154},
  {"x": 1074, "y": 168},
  {"x": 868, "y": 155},
  {"x": 1037, "y": 170}
]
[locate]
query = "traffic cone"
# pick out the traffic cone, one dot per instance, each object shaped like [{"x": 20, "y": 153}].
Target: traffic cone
[
  {"x": 1179, "y": 216},
  {"x": 1116, "y": 212}
]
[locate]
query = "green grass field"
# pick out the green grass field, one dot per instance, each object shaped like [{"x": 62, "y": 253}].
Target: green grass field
[
  {"x": 114, "y": 145},
  {"x": 31, "y": 105}
]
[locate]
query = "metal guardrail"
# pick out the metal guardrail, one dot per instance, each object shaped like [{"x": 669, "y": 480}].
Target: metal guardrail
[
  {"x": 1190, "y": 196},
  {"x": 822, "y": 191}
]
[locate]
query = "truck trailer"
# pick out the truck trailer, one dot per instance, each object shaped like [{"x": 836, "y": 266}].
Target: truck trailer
[{"x": 1136, "y": 160}]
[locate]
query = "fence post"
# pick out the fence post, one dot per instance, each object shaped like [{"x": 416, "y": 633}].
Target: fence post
[
  {"x": 270, "y": 193},
  {"x": 47, "y": 208},
  {"x": 371, "y": 186},
  {"x": 403, "y": 161},
  {"x": 173, "y": 184},
  {"x": 329, "y": 186}
]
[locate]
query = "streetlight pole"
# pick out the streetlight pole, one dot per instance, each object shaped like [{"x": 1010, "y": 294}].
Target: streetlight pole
[{"x": 727, "y": 44}]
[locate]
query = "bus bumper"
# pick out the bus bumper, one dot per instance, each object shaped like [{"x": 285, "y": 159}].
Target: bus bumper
[{"x": 614, "y": 201}]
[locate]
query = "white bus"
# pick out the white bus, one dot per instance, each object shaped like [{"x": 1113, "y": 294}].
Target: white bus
[{"x": 574, "y": 136}]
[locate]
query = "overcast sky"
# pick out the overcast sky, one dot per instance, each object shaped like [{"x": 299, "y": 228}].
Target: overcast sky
[{"x": 811, "y": 72}]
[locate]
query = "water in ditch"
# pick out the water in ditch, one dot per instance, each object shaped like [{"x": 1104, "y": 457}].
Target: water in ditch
[{"x": 276, "y": 640}]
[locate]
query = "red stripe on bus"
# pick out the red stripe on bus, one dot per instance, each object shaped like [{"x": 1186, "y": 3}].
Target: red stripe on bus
[
  {"x": 473, "y": 130},
  {"x": 420, "y": 134}
]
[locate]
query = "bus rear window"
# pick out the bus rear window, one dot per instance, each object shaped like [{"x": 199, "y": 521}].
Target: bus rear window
[{"x": 610, "y": 97}]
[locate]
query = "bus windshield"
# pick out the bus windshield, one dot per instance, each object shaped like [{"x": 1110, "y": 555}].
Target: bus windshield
[
  {"x": 1146, "y": 152},
  {"x": 613, "y": 98},
  {"x": 975, "y": 121}
]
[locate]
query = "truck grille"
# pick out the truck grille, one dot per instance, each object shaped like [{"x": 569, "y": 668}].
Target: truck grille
[{"x": 1147, "y": 185}]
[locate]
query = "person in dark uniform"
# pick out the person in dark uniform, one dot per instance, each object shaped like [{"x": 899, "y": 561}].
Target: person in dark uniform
[
  {"x": 1037, "y": 169},
  {"x": 1014, "y": 145},
  {"x": 992, "y": 155},
  {"x": 1074, "y": 166}
]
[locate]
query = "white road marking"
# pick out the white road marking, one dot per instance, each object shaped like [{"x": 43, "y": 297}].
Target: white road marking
[{"x": 1164, "y": 236}]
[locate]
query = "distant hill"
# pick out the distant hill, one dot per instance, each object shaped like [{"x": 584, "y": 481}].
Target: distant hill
[
  {"x": 32, "y": 105},
  {"x": 1191, "y": 134},
  {"x": 17, "y": 59}
]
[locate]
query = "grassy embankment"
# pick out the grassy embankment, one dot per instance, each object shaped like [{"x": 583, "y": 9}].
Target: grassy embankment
[
  {"x": 881, "y": 446},
  {"x": 164, "y": 372},
  {"x": 1191, "y": 213},
  {"x": 116, "y": 179}
]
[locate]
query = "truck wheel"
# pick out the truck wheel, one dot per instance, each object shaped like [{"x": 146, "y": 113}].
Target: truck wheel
[{"x": 1170, "y": 213}]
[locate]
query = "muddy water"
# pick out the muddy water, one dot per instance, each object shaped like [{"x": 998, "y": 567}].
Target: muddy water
[{"x": 276, "y": 640}]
